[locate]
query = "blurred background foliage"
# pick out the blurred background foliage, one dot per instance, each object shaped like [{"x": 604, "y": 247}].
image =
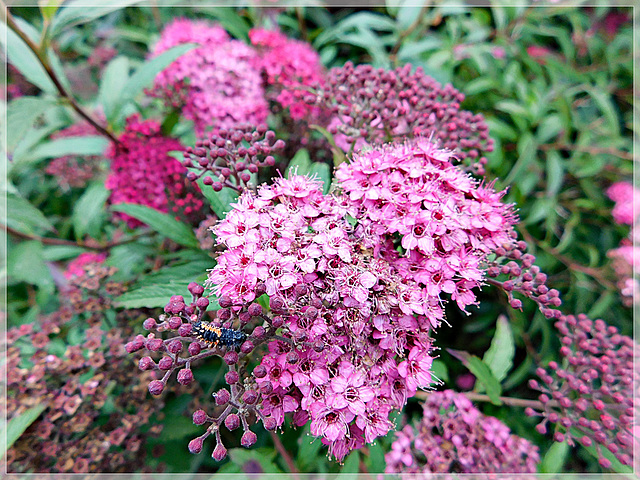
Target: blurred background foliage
[{"x": 553, "y": 81}]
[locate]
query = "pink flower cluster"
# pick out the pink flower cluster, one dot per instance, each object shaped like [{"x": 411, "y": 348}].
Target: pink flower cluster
[
  {"x": 627, "y": 199},
  {"x": 448, "y": 222},
  {"x": 142, "y": 172},
  {"x": 354, "y": 314},
  {"x": 75, "y": 267},
  {"x": 454, "y": 436},
  {"x": 292, "y": 66},
  {"x": 70, "y": 170},
  {"x": 215, "y": 85}
]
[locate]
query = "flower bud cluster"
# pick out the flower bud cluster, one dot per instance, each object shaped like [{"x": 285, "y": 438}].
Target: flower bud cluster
[
  {"x": 217, "y": 85},
  {"x": 375, "y": 105},
  {"x": 72, "y": 171},
  {"x": 73, "y": 434},
  {"x": 229, "y": 158},
  {"x": 143, "y": 172},
  {"x": 290, "y": 67},
  {"x": 89, "y": 288},
  {"x": 454, "y": 436},
  {"x": 588, "y": 397}
]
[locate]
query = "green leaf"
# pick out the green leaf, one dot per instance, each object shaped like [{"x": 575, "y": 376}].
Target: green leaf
[
  {"x": 500, "y": 355},
  {"x": 527, "y": 148},
  {"x": 55, "y": 253},
  {"x": 230, "y": 20},
  {"x": 76, "y": 12},
  {"x": 308, "y": 449},
  {"x": 220, "y": 201},
  {"x": 299, "y": 164},
  {"x": 323, "y": 172},
  {"x": 555, "y": 173},
  {"x": 21, "y": 57},
  {"x": 17, "y": 426},
  {"x": 408, "y": 12},
  {"x": 162, "y": 223},
  {"x": 24, "y": 217},
  {"x": 352, "y": 463},
  {"x": 264, "y": 456},
  {"x": 89, "y": 211},
  {"x": 182, "y": 273},
  {"x": 48, "y": 8},
  {"x": 25, "y": 263},
  {"x": 81, "y": 146},
  {"x": 439, "y": 370},
  {"x": 147, "y": 72},
  {"x": 22, "y": 114},
  {"x": 152, "y": 296},
  {"x": 114, "y": 78},
  {"x": 375, "y": 460},
  {"x": 596, "y": 452},
  {"x": 554, "y": 458},
  {"x": 482, "y": 373}
]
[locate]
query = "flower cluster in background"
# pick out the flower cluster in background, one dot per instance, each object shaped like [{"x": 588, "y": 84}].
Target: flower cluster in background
[
  {"x": 290, "y": 66},
  {"x": 453, "y": 436},
  {"x": 84, "y": 427},
  {"x": 373, "y": 106},
  {"x": 216, "y": 85},
  {"x": 626, "y": 258},
  {"x": 143, "y": 173},
  {"x": 72, "y": 171}
]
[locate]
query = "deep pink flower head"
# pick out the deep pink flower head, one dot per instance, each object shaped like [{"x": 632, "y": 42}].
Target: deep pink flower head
[
  {"x": 454, "y": 436},
  {"x": 289, "y": 65},
  {"x": 142, "y": 172},
  {"x": 74, "y": 269},
  {"x": 216, "y": 85},
  {"x": 627, "y": 199}
]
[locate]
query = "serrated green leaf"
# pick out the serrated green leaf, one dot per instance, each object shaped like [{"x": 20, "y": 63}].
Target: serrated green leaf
[
  {"x": 482, "y": 373},
  {"x": 21, "y": 116},
  {"x": 499, "y": 356},
  {"x": 299, "y": 164},
  {"x": 17, "y": 426},
  {"x": 554, "y": 458},
  {"x": 145, "y": 74},
  {"x": 55, "y": 253},
  {"x": 89, "y": 212},
  {"x": 24, "y": 217},
  {"x": 162, "y": 223}
]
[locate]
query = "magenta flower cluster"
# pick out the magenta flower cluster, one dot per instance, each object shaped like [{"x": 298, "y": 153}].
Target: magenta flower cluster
[
  {"x": 627, "y": 199},
  {"x": 588, "y": 398},
  {"x": 75, "y": 267},
  {"x": 355, "y": 314},
  {"x": 143, "y": 172},
  {"x": 454, "y": 436},
  {"x": 290, "y": 66},
  {"x": 216, "y": 85}
]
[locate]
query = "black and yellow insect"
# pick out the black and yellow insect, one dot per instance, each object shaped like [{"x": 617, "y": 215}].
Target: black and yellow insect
[{"x": 214, "y": 336}]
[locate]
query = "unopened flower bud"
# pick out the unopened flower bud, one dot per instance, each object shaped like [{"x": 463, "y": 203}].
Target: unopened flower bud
[
  {"x": 222, "y": 396},
  {"x": 185, "y": 376},
  {"x": 231, "y": 357},
  {"x": 199, "y": 417},
  {"x": 248, "y": 439},
  {"x": 146, "y": 363},
  {"x": 165, "y": 363},
  {"x": 232, "y": 421},
  {"x": 156, "y": 387},
  {"x": 219, "y": 453},
  {"x": 149, "y": 324},
  {"x": 250, "y": 397},
  {"x": 195, "y": 445},
  {"x": 175, "y": 347},
  {"x": 232, "y": 377}
]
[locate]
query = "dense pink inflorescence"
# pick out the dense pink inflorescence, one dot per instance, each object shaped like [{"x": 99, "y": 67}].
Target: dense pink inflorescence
[
  {"x": 143, "y": 172},
  {"x": 627, "y": 199},
  {"x": 291, "y": 66},
  {"x": 588, "y": 398},
  {"x": 358, "y": 312},
  {"x": 215, "y": 85},
  {"x": 76, "y": 267},
  {"x": 71, "y": 170},
  {"x": 375, "y": 105},
  {"x": 454, "y": 436}
]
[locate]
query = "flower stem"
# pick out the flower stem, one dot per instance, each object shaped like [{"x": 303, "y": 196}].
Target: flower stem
[
  {"x": 287, "y": 458},
  {"x": 54, "y": 78}
]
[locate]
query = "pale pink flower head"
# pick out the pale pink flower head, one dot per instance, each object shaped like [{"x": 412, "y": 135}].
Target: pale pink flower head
[
  {"x": 75, "y": 267},
  {"x": 216, "y": 85},
  {"x": 627, "y": 199}
]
